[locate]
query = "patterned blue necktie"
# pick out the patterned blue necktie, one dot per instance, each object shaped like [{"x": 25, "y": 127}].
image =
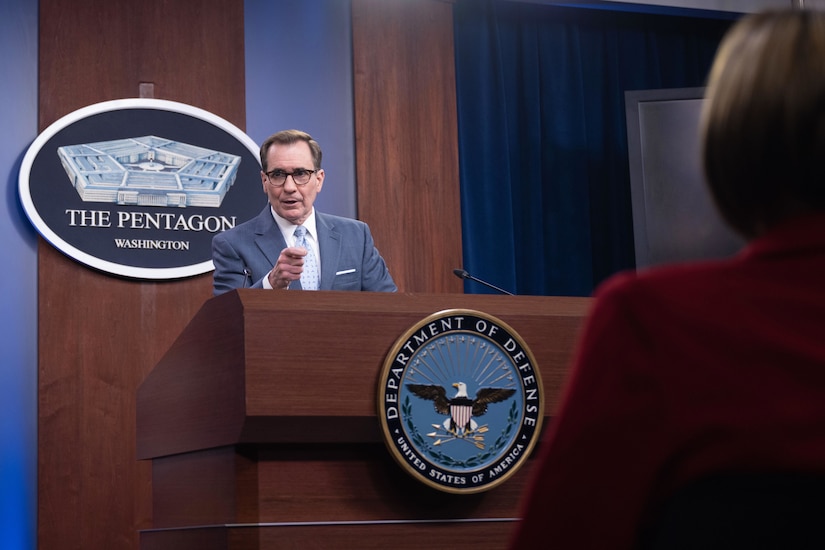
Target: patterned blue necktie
[{"x": 310, "y": 277}]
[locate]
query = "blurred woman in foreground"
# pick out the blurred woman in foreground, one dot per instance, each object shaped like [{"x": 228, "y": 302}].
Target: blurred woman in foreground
[{"x": 709, "y": 378}]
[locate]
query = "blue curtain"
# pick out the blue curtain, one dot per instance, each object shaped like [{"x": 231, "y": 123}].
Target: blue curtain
[{"x": 545, "y": 184}]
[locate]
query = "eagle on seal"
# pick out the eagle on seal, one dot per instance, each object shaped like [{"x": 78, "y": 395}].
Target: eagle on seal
[{"x": 460, "y": 408}]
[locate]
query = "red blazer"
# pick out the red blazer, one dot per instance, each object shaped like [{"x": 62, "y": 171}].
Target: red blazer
[{"x": 681, "y": 372}]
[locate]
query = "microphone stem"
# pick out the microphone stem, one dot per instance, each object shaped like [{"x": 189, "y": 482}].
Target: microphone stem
[
  {"x": 489, "y": 285},
  {"x": 462, "y": 274}
]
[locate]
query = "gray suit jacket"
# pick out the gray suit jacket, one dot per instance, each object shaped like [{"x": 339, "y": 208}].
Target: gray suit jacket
[{"x": 244, "y": 255}]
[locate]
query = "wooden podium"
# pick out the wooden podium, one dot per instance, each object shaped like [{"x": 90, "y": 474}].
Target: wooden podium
[{"x": 261, "y": 424}]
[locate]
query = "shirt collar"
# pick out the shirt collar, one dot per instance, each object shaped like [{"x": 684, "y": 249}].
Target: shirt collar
[{"x": 288, "y": 228}]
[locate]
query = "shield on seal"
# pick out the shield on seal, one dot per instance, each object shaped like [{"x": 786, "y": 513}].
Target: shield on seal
[{"x": 461, "y": 415}]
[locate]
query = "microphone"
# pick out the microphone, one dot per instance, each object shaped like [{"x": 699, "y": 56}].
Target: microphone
[{"x": 462, "y": 274}]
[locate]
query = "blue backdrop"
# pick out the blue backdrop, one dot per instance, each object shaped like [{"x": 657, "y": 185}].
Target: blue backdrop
[
  {"x": 18, "y": 280},
  {"x": 545, "y": 183}
]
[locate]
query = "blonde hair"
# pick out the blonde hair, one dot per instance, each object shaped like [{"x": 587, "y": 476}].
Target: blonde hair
[{"x": 763, "y": 121}]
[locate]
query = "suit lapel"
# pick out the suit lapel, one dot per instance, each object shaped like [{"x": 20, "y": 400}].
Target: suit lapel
[
  {"x": 329, "y": 244},
  {"x": 268, "y": 236},
  {"x": 270, "y": 242}
]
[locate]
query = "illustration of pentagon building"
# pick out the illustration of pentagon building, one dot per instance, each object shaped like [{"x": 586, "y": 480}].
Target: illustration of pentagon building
[{"x": 149, "y": 171}]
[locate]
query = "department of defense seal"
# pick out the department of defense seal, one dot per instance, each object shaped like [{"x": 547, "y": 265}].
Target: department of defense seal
[{"x": 460, "y": 401}]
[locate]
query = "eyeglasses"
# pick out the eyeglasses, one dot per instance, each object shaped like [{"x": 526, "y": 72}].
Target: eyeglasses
[{"x": 277, "y": 178}]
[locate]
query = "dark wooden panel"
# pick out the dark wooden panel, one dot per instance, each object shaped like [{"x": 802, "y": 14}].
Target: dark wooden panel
[
  {"x": 97, "y": 50},
  {"x": 403, "y": 536},
  {"x": 99, "y": 336},
  {"x": 205, "y": 488},
  {"x": 369, "y": 486},
  {"x": 398, "y": 536},
  {"x": 406, "y": 138},
  {"x": 209, "y": 538},
  {"x": 363, "y": 483},
  {"x": 241, "y": 370},
  {"x": 320, "y": 489},
  {"x": 215, "y": 416}
]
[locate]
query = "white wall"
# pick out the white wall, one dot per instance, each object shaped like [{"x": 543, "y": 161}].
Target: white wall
[{"x": 18, "y": 280}]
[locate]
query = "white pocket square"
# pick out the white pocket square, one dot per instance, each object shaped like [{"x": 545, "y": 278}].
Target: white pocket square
[{"x": 344, "y": 272}]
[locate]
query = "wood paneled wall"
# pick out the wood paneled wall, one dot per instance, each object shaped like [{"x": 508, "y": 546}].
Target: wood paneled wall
[
  {"x": 99, "y": 336},
  {"x": 406, "y": 138}
]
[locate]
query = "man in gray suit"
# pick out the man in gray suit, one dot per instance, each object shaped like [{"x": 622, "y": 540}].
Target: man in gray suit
[{"x": 337, "y": 253}]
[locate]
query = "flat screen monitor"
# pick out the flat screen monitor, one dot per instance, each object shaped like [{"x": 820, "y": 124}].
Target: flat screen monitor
[{"x": 674, "y": 218}]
